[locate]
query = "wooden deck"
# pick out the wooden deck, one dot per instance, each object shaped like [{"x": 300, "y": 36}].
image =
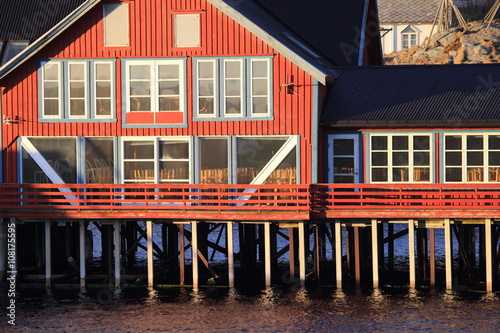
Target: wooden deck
[{"x": 249, "y": 202}]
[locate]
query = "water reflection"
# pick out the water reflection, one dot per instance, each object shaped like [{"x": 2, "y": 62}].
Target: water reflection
[
  {"x": 197, "y": 296},
  {"x": 152, "y": 296},
  {"x": 270, "y": 296}
]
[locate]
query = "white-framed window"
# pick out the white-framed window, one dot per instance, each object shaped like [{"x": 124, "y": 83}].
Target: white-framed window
[
  {"x": 187, "y": 30},
  {"x": 157, "y": 160},
  {"x": 76, "y": 90},
  {"x": 116, "y": 24},
  {"x": 409, "y": 37},
  {"x": 232, "y": 88},
  {"x": 13, "y": 48},
  {"x": 400, "y": 158},
  {"x": 154, "y": 91},
  {"x": 471, "y": 157}
]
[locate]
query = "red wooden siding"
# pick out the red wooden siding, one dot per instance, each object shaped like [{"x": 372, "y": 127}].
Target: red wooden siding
[{"x": 151, "y": 35}]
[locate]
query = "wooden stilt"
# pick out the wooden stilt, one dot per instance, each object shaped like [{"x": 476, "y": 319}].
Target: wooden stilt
[
  {"x": 317, "y": 252},
  {"x": 149, "y": 235},
  {"x": 3, "y": 250},
  {"x": 411, "y": 253},
  {"x": 357, "y": 257},
  {"x": 109, "y": 251},
  {"x": 302, "y": 254},
  {"x": 375, "y": 253},
  {"x": 48, "y": 256},
  {"x": 182, "y": 255},
  {"x": 291, "y": 251},
  {"x": 117, "y": 247},
  {"x": 422, "y": 272},
  {"x": 338, "y": 253},
  {"x": 390, "y": 247},
  {"x": 83, "y": 273},
  {"x": 489, "y": 254},
  {"x": 194, "y": 252},
  {"x": 267, "y": 252},
  {"x": 230, "y": 254},
  {"x": 448, "y": 254},
  {"x": 432, "y": 257}
]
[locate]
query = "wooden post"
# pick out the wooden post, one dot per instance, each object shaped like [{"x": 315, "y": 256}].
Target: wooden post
[
  {"x": 149, "y": 235},
  {"x": 230, "y": 254},
  {"x": 182, "y": 255},
  {"x": 411, "y": 253},
  {"x": 302, "y": 254},
  {"x": 291, "y": 251},
  {"x": 489, "y": 255},
  {"x": 267, "y": 252},
  {"x": 117, "y": 242},
  {"x": 390, "y": 247},
  {"x": 448, "y": 254},
  {"x": 432, "y": 257},
  {"x": 317, "y": 253},
  {"x": 3, "y": 250},
  {"x": 357, "y": 257},
  {"x": 194, "y": 252},
  {"x": 338, "y": 253},
  {"x": 375, "y": 253},
  {"x": 48, "y": 256},
  {"x": 83, "y": 272}
]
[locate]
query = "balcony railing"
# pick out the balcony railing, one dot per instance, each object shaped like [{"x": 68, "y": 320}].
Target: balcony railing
[{"x": 248, "y": 202}]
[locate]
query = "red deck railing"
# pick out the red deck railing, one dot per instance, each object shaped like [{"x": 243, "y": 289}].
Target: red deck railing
[{"x": 249, "y": 202}]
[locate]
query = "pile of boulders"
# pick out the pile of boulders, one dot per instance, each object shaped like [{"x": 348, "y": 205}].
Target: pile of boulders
[{"x": 475, "y": 44}]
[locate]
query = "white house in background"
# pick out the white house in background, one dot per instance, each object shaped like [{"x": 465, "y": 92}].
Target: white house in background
[{"x": 405, "y": 23}]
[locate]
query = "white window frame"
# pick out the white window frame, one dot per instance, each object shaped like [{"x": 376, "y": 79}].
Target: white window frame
[
  {"x": 64, "y": 91},
  {"x": 194, "y": 24},
  {"x": 154, "y": 83},
  {"x": 411, "y": 166},
  {"x": 156, "y": 159},
  {"x": 247, "y": 77},
  {"x": 123, "y": 21},
  {"x": 414, "y": 32},
  {"x": 485, "y": 167},
  {"x": 95, "y": 80},
  {"x": 70, "y": 98}
]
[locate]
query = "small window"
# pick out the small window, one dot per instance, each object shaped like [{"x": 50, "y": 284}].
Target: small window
[
  {"x": 187, "y": 30},
  {"x": 408, "y": 37},
  {"x": 116, "y": 27},
  {"x": 13, "y": 48}
]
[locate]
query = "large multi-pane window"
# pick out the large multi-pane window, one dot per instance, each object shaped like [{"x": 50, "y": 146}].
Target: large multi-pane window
[
  {"x": 471, "y": 158},
  {"x": 156, "y": 161},
  {"x": 408, "y": 37},
  {"x": 400, "y": 158},
  {"x": 232, "y": 88},
  {"x": 155, "y": 91},
  {"x": 76, "y": 90}
]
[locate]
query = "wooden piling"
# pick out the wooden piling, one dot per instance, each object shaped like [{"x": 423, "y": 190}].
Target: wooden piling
[
  {"x": 291, "y": 252},
  {"x": 48, "y": 256},
  {"x": 302, "y": 254},
  {"x": 182, "y": 255},
  {"x": 375, "y": 253},
  {"x": 230, "y": 254},
  {"x": 448, "y": 254},
  {"x": 149, "y": 235},
  {"x": 267, "y": 252},
  {"x": 411, "y": 253},
  {"x": 489, "y": 254},
  {"x": 338, "y": 253},
  {"x": 357, "y": 256},
  {"x": 83, "y": 259},
  {"x": 117, "y": 248},
  {"x": 432, "y": 257},
  {"x": 317, "y": 252},
  {"x": 3, "y": 249},
  {"x": 194, "y": 253}
]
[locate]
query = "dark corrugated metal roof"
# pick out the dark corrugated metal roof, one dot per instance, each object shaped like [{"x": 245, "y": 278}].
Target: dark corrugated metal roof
[
  {"x": 29, "y": 19},
  {"x": 399, "y": 96},
  {"x": 331, "y": 26}
]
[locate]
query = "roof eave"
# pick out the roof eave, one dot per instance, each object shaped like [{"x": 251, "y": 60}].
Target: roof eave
[{"x": 46, "y": 38}]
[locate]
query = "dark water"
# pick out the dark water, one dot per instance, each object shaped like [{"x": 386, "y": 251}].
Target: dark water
[{"x": 319, "y": 309}]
